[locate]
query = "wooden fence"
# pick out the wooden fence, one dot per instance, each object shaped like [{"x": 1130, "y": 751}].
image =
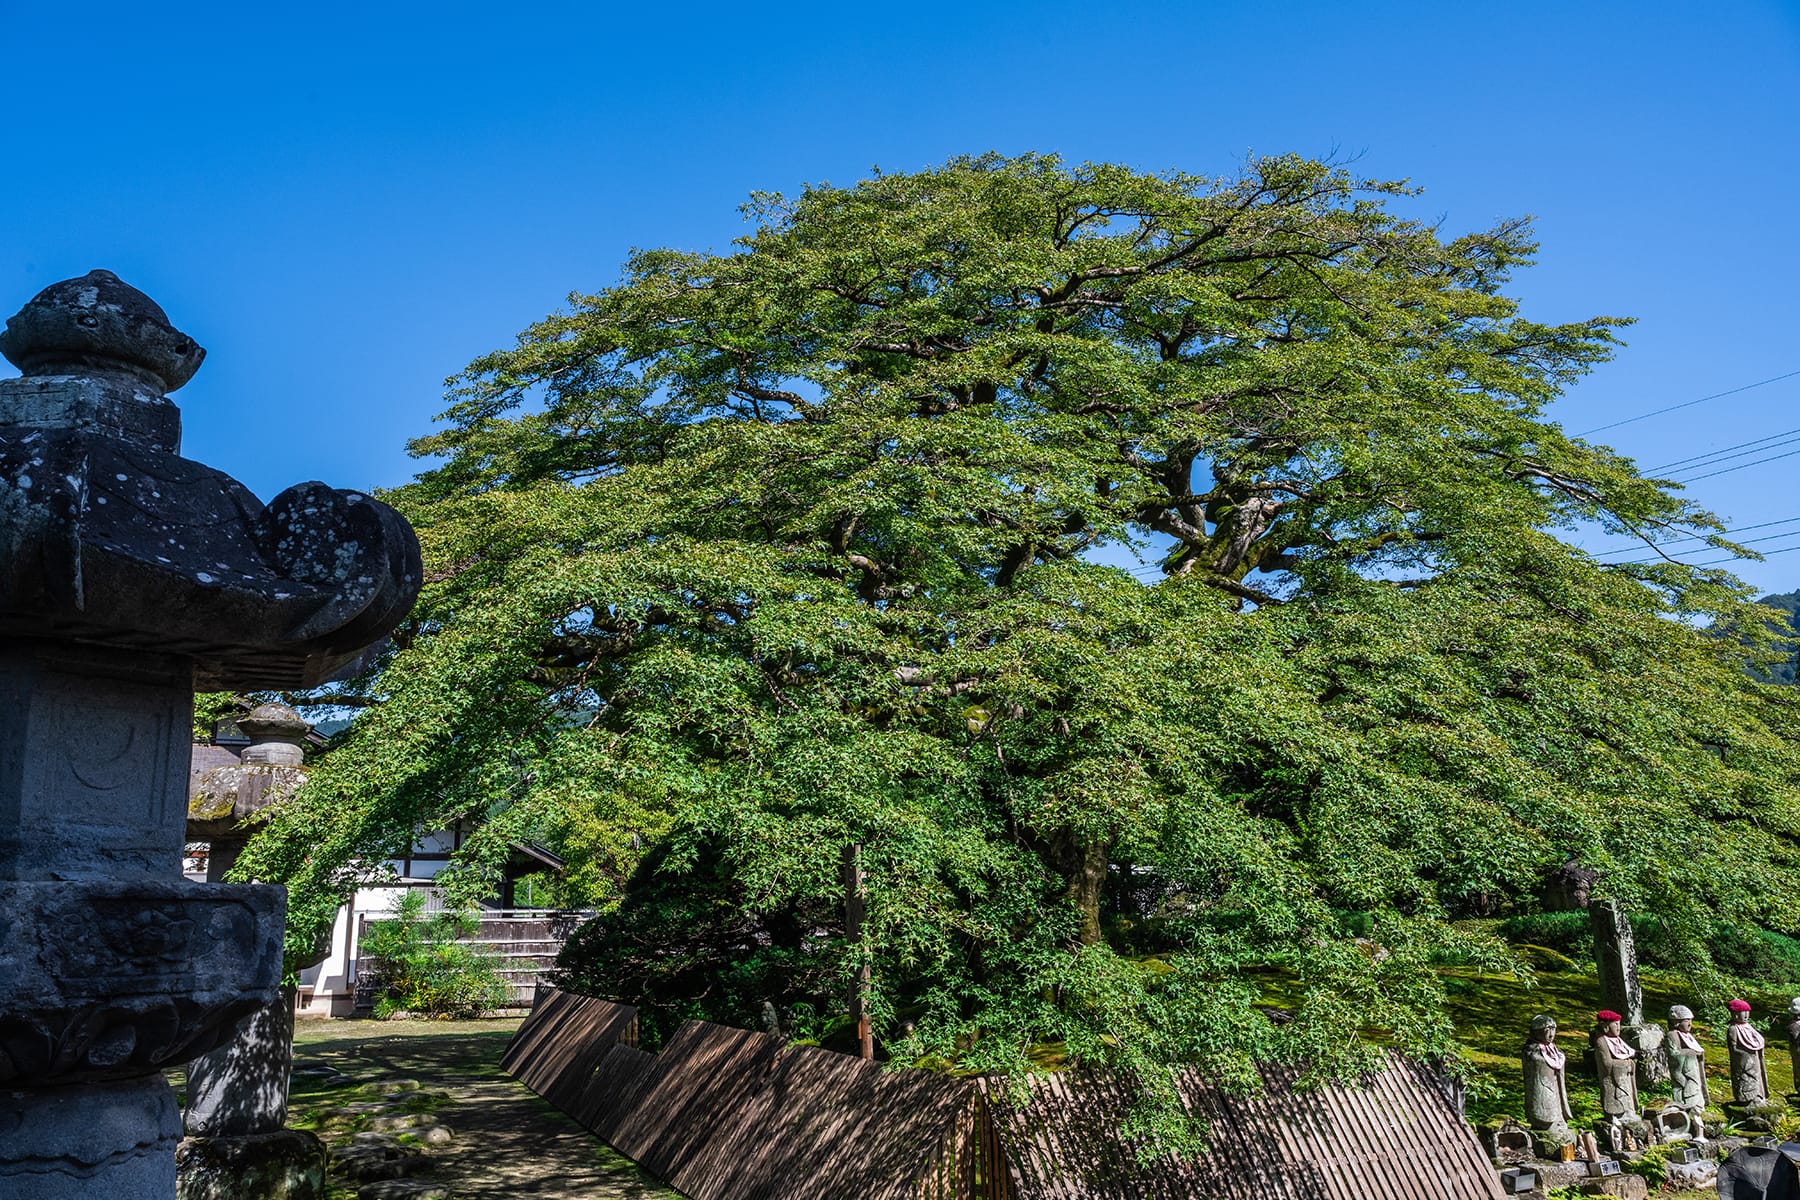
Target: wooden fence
[
  {"x": 1395, "y": 1135},
  {"x": 726, "y": 1114}
]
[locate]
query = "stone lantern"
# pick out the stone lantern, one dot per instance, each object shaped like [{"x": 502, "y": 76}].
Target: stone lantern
[
  {"x": 238, "y": 1146},
  {"x": 227, "y": 799},
  {"x": 129, "y": 576}
]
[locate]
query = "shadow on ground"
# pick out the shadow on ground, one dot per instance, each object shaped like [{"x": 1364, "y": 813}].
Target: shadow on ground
[{"x": 509, "y": 1143}]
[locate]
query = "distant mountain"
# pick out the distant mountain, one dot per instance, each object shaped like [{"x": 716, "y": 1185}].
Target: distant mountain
[{"x": 1790, "y": 604}]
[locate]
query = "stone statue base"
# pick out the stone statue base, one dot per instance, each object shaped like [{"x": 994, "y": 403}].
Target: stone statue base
[
  {"x": 1549, "y": 1143},
  {"x": 288, "y": 1164},
  {"x": 242, "y": 1087},
  {"x": 1758, "y": 1117},
  {"x": 113, "y": 1138}
]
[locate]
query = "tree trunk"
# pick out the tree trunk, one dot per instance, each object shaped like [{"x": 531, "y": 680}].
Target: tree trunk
[{"x": 1085, "y": 867}]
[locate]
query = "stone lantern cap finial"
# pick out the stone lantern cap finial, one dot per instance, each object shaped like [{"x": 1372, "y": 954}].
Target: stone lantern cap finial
[
  {"x": 275, "y": 732},
  {"x": 99, "y": 323}
]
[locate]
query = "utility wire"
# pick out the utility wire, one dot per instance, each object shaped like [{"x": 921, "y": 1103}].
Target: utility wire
[
  {"x": 1773, "y": 537},
  {"x": 1720, "y": 455},
  {"x": 1688, "y": 404},
  {"x": 1695, "y": 537},
  {"x": 1741, "y": 454},
  {"x": 1713, "y": 562},
  {"x": 1740, "y": 467}
]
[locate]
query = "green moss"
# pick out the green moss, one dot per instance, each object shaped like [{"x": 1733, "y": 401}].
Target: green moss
[{"x": 1491, "y": 1013}]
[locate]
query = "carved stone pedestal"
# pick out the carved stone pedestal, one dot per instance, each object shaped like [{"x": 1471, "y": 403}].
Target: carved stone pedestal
[
  {"x": 106, "y": 982},
  {"x": 114, "y": 1140}
]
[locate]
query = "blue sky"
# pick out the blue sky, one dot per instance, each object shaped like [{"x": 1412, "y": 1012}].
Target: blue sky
[{"x": 347, "y": 203}]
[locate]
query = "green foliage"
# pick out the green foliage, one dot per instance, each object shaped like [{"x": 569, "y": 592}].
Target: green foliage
[
  {"x": 212, "y": 707},
  {"x": 1571, "y": 933},
  {"x": 1741, "y": 950},
  {"x": 1787, "y": 606},
  {"x": 757, "y": 554},
  {"x": 1757, "y": 954},
  {"x": 1652, "y": 1164},
  {"x": 425, "y": 968}
]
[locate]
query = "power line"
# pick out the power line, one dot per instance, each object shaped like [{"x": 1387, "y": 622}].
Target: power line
[
  {"x": 1720, "y": 455},
  {"x": 1773, "y": 537},
  {"x": 1767, "y": 554},
  {"x": 1740, "y": 467},
  {"x": 1741, "y": 453},
  {"x": 1689, "y": 403},
  {"x": 1695, "y": 537}
]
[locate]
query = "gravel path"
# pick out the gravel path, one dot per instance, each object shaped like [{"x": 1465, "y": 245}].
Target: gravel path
[{"x": 509, "y": 1143}]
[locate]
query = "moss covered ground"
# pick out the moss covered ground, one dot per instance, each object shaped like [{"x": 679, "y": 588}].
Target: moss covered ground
[{"x": 1492, "y": 1013}]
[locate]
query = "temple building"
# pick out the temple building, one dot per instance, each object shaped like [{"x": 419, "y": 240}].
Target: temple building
[{"x": 243, "y": 762}]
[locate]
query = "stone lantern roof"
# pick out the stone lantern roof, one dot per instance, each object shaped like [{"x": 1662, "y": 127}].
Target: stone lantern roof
[{"x": 112, "y": 539}]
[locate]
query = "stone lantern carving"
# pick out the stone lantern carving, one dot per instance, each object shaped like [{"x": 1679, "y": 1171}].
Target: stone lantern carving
[{"x": 129, "y": 576}]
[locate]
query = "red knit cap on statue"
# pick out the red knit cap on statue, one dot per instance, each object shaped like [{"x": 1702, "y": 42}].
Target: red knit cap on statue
[
  {"x": 1607, "y": 1014},
  {"x": 1739, "y": 1006}
]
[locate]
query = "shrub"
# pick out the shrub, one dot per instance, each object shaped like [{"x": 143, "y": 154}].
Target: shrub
[{"x": 424, "y": 967}]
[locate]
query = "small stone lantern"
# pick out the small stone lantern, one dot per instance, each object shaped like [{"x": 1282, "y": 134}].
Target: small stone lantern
[
  {"x": 228, "y": 798},
  {"x": 238, "y": 1146}
]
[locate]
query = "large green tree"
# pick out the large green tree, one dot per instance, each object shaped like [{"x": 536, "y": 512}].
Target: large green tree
[{"x": 757, "y": 554}]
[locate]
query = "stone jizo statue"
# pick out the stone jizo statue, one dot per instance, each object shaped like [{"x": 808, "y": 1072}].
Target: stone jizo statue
[
  {"x": 1687, "y": 1068},
  {"x": 1749, "y": 1075},
  {"x": 1546, "y": 1082},
  {"x": 1615, "y": 1067},
  {"x": 1793, "y": 1033}
]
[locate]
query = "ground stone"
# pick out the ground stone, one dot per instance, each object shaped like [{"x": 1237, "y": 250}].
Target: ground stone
[
  {"x": 1702, "y": 1174},
  {"x": 376, "y": 1139},
  {"x": 287, "y": 1164},
  {"x": 371, "y": 1168},
  {"x": 389, "y": 1086},
  {"x": 438, "y": 1135},
  {"x": 1621, "y": 1187}
]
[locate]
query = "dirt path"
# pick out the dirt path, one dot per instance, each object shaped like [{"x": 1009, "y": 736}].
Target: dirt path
[{"x": 508, "y": 1141}]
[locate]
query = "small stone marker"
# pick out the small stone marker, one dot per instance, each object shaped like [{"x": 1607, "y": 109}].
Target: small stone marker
[{"x": 1516, "y": 1181}]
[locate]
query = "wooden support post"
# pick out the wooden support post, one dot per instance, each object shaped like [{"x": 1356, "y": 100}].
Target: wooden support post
[{"x": 856, "y": 907}]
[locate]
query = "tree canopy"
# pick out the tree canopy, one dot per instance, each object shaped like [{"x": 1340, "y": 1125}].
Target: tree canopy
[{"x": 756, "y": 554}]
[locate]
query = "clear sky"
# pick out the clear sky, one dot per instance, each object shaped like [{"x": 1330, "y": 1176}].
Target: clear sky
[{"x": 346, "y": 203}]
